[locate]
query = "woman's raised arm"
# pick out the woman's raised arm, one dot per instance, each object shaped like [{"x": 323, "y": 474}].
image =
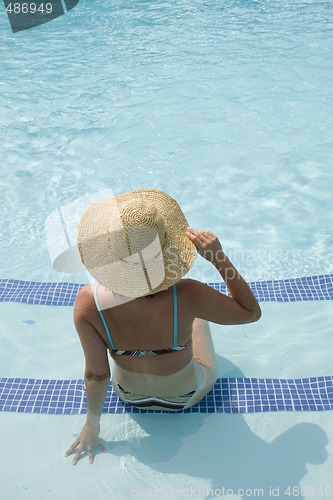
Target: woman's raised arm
[{"x": 211, "y": 305}]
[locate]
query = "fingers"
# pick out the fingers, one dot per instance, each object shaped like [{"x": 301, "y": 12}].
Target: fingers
[
  {"x": 200, "y": 235},
  {"x": 201, "y": 238},
  {"x": 207, "y": 244},
  {"x": 72, "y": 448},
  {"x": 77, "y": 454},
  {"x": 90, "y": 455},
  {"x": 196, "y": 236},
  {"x": 81, "y": 448}
]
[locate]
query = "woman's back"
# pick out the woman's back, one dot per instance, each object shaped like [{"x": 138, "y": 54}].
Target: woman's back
[{"x": 144, "y": 324}]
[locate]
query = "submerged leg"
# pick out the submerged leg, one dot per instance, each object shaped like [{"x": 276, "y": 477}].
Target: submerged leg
[
  {"x": 204, "y": 355},
  {"x": 202, "y": 342}
]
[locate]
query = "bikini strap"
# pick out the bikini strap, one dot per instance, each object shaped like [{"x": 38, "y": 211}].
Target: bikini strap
[
  {"x": 175, "y": 316},
  {"x": 103, "y": 319}
]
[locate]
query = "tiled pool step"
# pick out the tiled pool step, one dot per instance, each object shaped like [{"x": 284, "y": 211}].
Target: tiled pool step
[
  {"x": 229, "y": 395},
  {"x": 63, "y": 294}
]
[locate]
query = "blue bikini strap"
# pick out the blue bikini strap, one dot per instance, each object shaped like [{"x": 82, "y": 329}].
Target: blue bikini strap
[
  {"x": 175, "y": 316},
  {"x": 103, "y": 319}
]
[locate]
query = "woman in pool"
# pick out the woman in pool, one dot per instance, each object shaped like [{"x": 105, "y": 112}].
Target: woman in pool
[{"x": 138, "y": 247}]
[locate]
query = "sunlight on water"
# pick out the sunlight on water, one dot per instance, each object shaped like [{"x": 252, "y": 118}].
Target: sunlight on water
[{"x": 224, "y": 106}]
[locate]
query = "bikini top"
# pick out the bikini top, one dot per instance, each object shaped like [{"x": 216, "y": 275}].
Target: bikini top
[{"x": 155, "y": 352}]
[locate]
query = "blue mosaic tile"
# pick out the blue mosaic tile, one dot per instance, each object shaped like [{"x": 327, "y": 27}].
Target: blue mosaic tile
[
  {"x": 39, "y": 293},
  {"x": 233, "y": 395},
  {"x": 63, "y": 294}
]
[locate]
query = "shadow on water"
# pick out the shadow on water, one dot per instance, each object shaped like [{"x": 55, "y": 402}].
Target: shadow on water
[{"x": 224, "y": 450}]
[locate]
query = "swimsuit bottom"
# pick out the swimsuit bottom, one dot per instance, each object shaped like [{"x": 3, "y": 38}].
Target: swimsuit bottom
[
  {"x": 205, "y": 379},
  {"x": 156, "y": 403}
]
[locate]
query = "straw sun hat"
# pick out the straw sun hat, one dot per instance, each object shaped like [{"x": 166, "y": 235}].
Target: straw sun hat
[{"x": 135, "y": 243}]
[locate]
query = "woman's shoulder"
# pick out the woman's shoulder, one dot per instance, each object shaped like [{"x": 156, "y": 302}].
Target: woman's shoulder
[
  {"x": 189, "y": 285},
  {"x": 84, "y": 301},
  {"x": 85, "y": 292},
  {"x": 203, "y": 301},
  {"x": 191, "y": 290}
]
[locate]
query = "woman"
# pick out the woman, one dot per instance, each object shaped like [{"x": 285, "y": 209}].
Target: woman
[{"x": 138, "y": 247}]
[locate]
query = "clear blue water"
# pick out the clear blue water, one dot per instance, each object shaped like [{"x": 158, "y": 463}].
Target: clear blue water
[{"x": 227, "y": 106}]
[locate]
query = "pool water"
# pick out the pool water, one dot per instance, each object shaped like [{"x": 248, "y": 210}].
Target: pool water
[{"x": 227, "y": 106}]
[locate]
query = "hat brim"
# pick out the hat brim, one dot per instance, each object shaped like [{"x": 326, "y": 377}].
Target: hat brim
[{"x": 178, "y": 252}]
